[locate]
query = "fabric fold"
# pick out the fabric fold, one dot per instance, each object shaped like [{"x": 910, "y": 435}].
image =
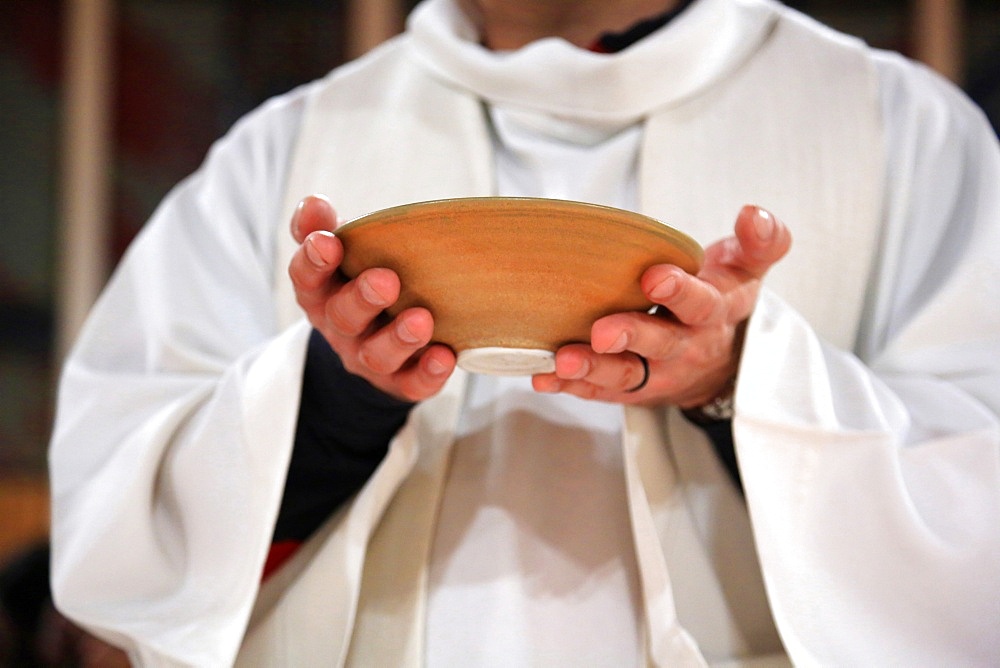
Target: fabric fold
[{"x": 708, "y": 40}]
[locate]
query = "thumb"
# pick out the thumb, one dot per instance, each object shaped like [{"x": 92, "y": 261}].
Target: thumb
[{"x": 760, "y": 241}]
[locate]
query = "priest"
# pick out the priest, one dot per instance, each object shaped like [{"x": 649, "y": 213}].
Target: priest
[{"x": 796, "y": 459}]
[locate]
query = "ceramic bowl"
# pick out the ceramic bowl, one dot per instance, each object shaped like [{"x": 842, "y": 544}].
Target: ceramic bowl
[{"x": 510, "y": 279}]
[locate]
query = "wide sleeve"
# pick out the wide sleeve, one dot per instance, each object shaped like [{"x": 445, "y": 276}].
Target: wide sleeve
[
  {"x": 176, "y": 414},
  {"x": 872, "y": 476}
]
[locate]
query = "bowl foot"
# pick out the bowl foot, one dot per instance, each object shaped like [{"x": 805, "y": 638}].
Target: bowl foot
[{"x": 507, "y": 361}]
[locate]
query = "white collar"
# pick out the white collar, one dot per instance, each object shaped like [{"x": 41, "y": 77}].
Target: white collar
[{"x": 704, "y": 43}]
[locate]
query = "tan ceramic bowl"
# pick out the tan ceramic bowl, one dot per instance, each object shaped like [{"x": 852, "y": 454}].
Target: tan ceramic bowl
[{"x": 509, "y": 280}]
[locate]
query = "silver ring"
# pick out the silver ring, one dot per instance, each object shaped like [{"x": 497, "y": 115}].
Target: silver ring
[{"x": 645, "y": 375}]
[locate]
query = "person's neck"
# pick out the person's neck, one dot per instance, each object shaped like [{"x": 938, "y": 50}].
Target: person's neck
[{"x": 510, "y": 24}]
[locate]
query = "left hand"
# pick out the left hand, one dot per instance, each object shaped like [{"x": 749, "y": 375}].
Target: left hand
[{"x": 693, "y": 351}]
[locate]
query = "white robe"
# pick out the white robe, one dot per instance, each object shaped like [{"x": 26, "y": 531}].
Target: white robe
[{"x": 870, "y": 464}]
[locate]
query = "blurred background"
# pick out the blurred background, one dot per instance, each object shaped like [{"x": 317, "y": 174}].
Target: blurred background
[{"x": 105, "y": 104}]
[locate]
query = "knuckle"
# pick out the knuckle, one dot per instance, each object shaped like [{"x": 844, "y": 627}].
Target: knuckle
[
  {"x": 669, "y": 385},
  {"x": 295, "y": 274},
  {"x": 628, "y": 377},
  {"x": 662, "y": 348},
  {"x": 407, "y": 393},
  {"x": 314, "y": 315},
  {"x": 340, "y": 320},
  {"x": 699, "y": 356},
  {"x": 352, "y": 365},
  {"x": 412, "y": 388},
  {"x": 376, "y": 364},
  {"x": 709, "y": 350},
  {"x": 704, "y": 312}
]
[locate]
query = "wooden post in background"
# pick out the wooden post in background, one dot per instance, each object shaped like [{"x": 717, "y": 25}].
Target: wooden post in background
[
  {"x": 83, "y": 239},
  {"x": 938, "y": 36}
]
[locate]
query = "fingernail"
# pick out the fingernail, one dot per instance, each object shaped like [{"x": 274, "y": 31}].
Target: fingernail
[
  {"x": 580, "y": 372},
  {"x": 549, "y": 387},
  {"x": 619, "y": 345},
  {"x": 369, "y": 293},
  {"x": 665, "y": 288},
  {"x": 763, "y": 225},
  {"x": 435, "y": 367},
  {"x": 405, "y": 335},
  {"x": 313, "y": 253}
]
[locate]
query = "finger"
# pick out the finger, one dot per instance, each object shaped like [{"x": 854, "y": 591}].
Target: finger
[
  {"x": 691, "y": 300},
  {"x": 314, "y": 213},
  {"x": 651, "y": 336},
  {"x": 351, "y": 309},
  {"x": 613, "y": 373},
  {"x": 760, "y": 241},
  {"x": 391, "y": 347},
  {"x": 428, "y": 374},
  {"x": 312, "y": 267},
  {"x": 763, "y": 238},
  {"x": 551, "y": 384},
  {"x": 736, "y": 265}
]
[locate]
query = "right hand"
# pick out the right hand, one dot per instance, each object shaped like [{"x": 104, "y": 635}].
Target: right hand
[{"x": 393, "y": 354}]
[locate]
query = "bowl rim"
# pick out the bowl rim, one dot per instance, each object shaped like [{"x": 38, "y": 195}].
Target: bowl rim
[{"x": 610, "y": 214}]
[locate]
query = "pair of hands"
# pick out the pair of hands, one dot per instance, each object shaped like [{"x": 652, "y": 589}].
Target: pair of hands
[{"x": 692, "y": 352}]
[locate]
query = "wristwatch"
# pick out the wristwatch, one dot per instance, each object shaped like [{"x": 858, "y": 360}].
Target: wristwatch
[{"x": 719, "y": 409}]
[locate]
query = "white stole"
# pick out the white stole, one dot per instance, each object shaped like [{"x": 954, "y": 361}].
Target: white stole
[{"x": 383, "y": 132}]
